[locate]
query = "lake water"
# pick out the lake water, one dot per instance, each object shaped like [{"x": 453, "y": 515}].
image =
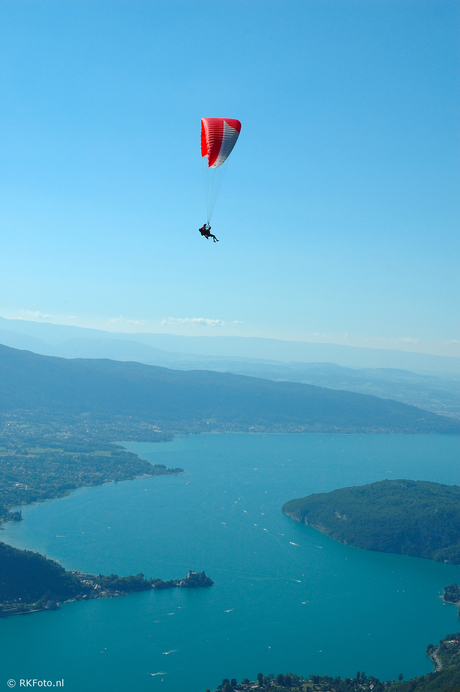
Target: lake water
[{"x": 285, "y": 598}]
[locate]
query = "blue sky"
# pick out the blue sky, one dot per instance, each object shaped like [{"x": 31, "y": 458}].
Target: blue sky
[{"x": 339, "y": 214}]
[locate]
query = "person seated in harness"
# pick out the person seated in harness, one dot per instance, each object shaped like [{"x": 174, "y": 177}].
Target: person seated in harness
[{"x": 205, "y": 232}]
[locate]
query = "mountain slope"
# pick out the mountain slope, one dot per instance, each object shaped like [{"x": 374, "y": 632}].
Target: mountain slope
[
  {"x": 202, "y": 399},
  {"x": 440, "y": 395}
]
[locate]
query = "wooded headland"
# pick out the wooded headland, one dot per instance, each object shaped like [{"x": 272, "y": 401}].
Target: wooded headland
[{"x": 417, "y": 518}]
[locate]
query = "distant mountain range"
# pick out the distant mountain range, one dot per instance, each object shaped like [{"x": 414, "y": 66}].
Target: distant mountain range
[
  {"x": 197, "y": 400},
  {"x": 221, "y": 347},
  {"x": 432, "y": 391}
]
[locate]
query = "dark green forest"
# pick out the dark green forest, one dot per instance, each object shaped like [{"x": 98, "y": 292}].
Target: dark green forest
[
  {"x": 27, "y": 577},
  {"x": 452, "y": 593},
  {"x": 417, "y": 518},
  {"x": 180, "y": 401}
]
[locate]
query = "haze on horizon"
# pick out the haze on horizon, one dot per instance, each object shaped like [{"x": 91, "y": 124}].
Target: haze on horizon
[{"x": 339, "y": 214}]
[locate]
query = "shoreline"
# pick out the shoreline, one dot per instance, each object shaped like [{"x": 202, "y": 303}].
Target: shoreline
[
  {"x": 18, "y": 508},
  {"x": 94, "y": 587}
]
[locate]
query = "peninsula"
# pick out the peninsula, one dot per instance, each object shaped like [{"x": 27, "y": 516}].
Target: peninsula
[
  {"x": 416, "y": 518},
  {"x": 30, "y": 582}
]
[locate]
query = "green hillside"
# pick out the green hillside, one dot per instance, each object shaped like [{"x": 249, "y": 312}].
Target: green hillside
[
  {"x": 31, "y": 577},
  {"x": 415, "y": 518},
  {"x": 196, "y": 400}
]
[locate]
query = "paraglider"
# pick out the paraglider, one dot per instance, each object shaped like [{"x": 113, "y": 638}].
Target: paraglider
[
  {"x": 205, "y": 232},
  {"x": 218, "y": 137}
]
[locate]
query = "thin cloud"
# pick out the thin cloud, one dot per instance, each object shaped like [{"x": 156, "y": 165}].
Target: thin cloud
[
  {"x": 125, "y": 320},
  {"x": 35, "y": 314},
  {"x": 199, "y": 321},
  {"x": 319, "y": 335},
  {"x": 407, "y": 340}
]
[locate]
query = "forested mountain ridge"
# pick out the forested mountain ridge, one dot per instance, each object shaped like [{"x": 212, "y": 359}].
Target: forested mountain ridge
[
  {"x": 417, "y": 518},
  {"x": 197, "y": 400},
  {"x": 439, "y": 393}
]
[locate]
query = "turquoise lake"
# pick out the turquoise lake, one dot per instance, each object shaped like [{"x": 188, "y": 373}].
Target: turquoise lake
[{"x": 285, "y": 598}]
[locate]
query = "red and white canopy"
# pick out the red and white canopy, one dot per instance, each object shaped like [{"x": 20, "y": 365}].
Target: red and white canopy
[{"x": 218, "y": 137}]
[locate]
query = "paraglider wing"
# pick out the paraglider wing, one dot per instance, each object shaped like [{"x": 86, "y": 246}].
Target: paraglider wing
[{"x": 218, "y": 137}]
